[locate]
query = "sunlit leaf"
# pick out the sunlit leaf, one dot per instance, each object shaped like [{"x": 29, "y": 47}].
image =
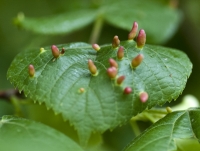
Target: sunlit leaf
[
  {"x": 97, "y": 103},
  {"x": 163, "y": 134}
]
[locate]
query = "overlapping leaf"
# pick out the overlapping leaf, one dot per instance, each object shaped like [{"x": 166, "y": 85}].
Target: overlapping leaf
[
  {"x": 157, "y": 17},
  {"x": 17, "y": 134},
  {"x": 58, "y": 24},
  {"x": 103, "y": 105},
  {"x": 162, "y": 134}
]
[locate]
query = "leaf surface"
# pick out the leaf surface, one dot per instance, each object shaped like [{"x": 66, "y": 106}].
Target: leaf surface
[
  {"x": 17, "y": 134},
  {"x": 187, "y": 144},
  {"x": 163, "y": 134},
  {"x": 103, "y": 104}
]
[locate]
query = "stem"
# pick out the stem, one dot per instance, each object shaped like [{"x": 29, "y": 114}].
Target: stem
[
  {"x": 150, "y": 117},
  {"x": 16, "y": 104},
  {"x": 157, "y": 111},
  {"x": 96, "y": 30},
  {"x": 7, "y": 94},
  {"x": 135, "y": 127}
]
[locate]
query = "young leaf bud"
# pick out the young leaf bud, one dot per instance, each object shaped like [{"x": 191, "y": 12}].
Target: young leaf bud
[
  {"x": 112, "y": 72},
  {"x": 127, "y": 90},
  {"x": 31, "y": 70},
  {"x": 42, "y": 50},
  {"x": 144, "y": 97},
  {"x": 55, "y": 51},
  {"x": 137, "y": 60},
  {"x": 141, "y": 39},
  {"x": 96, "y": 47},
  {"x": 169, "y": 110},
  {"x": 120, "y": 80},
  {"x": 120, "y": 52},
  {"x": 133, "y": 31},
  {"x": 115, "y": 42},
  {"x": 92, "y": 67},
  {"x": 113, "y": 63},
  {"x": 20, "y": 16}
]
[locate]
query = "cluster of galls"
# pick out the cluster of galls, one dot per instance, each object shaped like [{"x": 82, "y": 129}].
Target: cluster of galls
[{"x": 112, "y": 71}]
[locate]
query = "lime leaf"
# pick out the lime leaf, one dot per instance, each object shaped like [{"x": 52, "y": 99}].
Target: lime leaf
[
  {"x": 57, "y": 24},
  {"x": 163, "y": 134},
  {"x": 187, "y": 144},
  {"x": 195, "y": 122},
  {"x": 158, "y": 17},
  {"x": 97, "y": 103},
  {"x": 159, "y": 20},
  {"x": 20, "y": 134}
]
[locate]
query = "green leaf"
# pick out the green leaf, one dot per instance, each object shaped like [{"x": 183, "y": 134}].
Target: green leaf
[
  {"x": 187, "y": 144},
  {"x": 57, "y": 24},
  {"x": 18, "y": 134},
  {"x": 39, "y": 113},
  {"x": 103, "y": 105},
  {"x": 163, "y": 134},
  {"x": 156, "y": 16},
  {"x": 159, "y": 20},
  {"x": 195, "y": 122}
]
